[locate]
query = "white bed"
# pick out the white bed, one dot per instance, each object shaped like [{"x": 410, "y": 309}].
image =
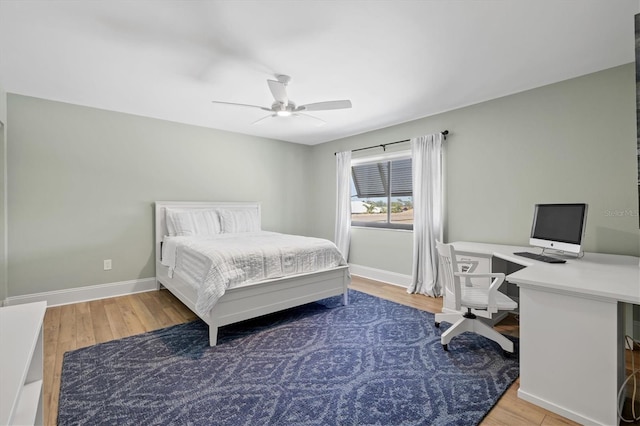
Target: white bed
[{"x": 249, "y": 300}]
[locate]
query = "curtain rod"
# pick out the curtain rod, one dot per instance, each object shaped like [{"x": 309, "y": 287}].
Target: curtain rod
[{"x": 384, "y": 145}]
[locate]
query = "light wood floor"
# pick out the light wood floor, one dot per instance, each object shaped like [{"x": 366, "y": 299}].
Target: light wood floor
[{"x": 78, "y": 325}]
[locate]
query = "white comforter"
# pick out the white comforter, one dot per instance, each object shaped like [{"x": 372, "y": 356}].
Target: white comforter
[{"x": 229, "y": 260}]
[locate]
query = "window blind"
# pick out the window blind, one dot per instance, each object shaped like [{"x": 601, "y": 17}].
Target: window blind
[{"x": 384, "y": 178}]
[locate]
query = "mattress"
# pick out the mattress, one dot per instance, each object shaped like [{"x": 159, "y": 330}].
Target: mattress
[{"x": 215, "y": 263}]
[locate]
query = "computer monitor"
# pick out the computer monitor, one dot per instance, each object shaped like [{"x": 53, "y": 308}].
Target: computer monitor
[{"x": 559, "y": 226}]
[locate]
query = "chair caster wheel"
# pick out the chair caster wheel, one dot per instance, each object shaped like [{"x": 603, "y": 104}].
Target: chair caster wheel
[
  {"x": 446, "y": 348},
  {"x": 437, "y": 324}
]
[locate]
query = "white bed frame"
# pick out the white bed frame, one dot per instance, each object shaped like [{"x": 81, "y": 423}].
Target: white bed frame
[{"x": 253, "y": 300}]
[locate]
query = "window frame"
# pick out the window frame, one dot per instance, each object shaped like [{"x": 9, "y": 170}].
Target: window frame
[{"x": 386, "y": 157}]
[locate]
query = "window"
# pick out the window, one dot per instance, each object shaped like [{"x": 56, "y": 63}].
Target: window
[{"x": 382, "y": 192}]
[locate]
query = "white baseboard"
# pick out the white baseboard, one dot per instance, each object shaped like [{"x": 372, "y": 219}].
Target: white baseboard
[
  {"x": 387, "y": 277},
  {"x": 85, "y": 294},
  {"x": 103, "y": 291}
]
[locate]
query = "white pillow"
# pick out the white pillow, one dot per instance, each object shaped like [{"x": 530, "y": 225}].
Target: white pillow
[
  {"x": 186, "y": 223},
  {"x": 168, "y": 220},
  {"x": 240, "y": 220}
]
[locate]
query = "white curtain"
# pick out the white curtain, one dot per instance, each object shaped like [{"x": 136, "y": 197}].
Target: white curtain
[
  {"x": 343, "y": 202},
  {"x": 428, "y": 208}
]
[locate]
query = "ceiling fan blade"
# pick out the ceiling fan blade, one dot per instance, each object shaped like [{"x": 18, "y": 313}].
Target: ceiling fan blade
[
  {"x": 323, "y": 106},
  {"x": 279, "y": 91},
  {"x": 242, "y": 105},
  {"x": 261, "y": 120},
  {"x": 319, "y": 122}
]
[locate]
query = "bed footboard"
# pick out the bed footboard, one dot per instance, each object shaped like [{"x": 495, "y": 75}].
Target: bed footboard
[
  {"x": 265, "y": 297},
  {"x": 242, "y": 303}
]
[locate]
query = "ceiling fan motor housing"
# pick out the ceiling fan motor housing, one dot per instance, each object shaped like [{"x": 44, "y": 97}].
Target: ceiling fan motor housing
[
  {"x": 279, "y": 106},
  {"x": 284, "y": 79}
]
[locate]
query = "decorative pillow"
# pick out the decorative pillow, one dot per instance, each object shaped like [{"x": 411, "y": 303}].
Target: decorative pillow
[
  {"x": 168, "y": 219},
  {"x": 185, "y": 223},
  {"x": 239, "y": 220}
]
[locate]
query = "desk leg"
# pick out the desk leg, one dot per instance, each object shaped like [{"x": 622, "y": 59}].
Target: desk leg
[{"x": 571, "y": 355}]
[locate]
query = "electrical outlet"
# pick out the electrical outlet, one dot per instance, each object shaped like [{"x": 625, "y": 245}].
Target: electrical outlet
[{"x": 107, "y": 264}]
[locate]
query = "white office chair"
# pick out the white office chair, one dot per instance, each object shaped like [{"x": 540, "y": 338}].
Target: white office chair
[{"x": 477, "y": 299}]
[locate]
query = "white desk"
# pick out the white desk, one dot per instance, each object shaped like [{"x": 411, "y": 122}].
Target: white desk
[{"x": 571, "y": 329}]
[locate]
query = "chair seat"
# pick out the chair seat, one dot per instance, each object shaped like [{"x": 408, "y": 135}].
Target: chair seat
[{"x": 478, "y": 298}]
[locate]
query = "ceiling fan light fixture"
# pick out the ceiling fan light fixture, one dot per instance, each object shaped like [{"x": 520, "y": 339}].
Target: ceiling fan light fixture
[{"x": 284, "y": 107}]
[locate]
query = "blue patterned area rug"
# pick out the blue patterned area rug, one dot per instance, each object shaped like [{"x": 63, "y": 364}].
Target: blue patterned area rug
[{"x": 374, "y": 362}]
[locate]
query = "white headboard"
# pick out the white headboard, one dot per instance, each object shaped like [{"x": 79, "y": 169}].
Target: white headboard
[{"x": 161, "y": 224}]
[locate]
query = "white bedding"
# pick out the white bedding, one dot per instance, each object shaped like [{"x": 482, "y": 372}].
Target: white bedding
[{"x": 215, "y": 263}]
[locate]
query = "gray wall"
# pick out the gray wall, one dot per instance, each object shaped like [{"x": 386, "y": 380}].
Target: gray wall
[
  {"x": 573, "y": 141},
  {"x": 3, "y": 200},
  {"x": 82, "y": 183}
]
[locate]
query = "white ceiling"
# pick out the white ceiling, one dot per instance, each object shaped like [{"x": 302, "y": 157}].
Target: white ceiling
[{"x": 395, "y": 60}]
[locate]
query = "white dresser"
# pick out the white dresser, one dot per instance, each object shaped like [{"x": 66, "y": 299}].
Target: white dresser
[{"x": 21, "y": 356}]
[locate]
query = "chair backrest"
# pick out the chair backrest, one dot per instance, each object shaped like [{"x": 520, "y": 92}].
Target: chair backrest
[{"x": 449, "y": 265}]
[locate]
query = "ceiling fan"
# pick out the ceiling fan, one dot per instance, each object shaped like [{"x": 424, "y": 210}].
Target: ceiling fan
[{"x": 284, "y": 107}]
